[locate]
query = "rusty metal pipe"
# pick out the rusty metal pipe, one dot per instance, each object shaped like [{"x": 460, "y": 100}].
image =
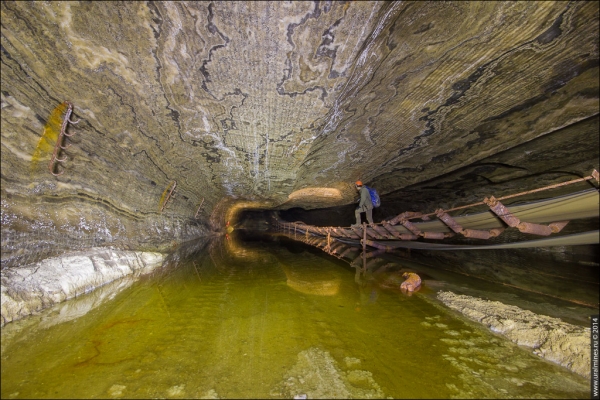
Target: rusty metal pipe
[
  {"x": 476, "y": 234},
  {"x": 433, "y": 235},
  {"x": 536, "y": 229},
  {"x": 496, "y": 232},
  {"x": 382, "y": 232},
  {"x": 557, "y": 226},
  {"x": 403, "y": 216},
  {"x": 500, "y": 210},
  {"x": 411, "y": 227},
  {"x": 408, "y": 236},
  {"x": 448, "y": 220},
  {"x": 390, "y": 229}
]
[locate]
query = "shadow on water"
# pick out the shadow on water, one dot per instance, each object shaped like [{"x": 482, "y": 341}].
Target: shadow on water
[{"x": 257, "y": 315}]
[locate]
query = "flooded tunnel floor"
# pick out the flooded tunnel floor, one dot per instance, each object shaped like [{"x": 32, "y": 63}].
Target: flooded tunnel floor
[{"x": 258, "y": 319}]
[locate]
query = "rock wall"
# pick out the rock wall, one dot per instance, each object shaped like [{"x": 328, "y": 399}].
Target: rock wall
[
  {"x": 562, "y": 343},
  {"x": 279, "y": 104},
  {"x": 27, "y": 290}
]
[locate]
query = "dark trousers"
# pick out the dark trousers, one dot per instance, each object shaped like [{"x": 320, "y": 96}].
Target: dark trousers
[{"x": 362, "y": 210}]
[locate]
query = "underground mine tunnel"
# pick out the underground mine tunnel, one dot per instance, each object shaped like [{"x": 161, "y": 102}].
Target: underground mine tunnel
[{"x": 178, "y": 189}]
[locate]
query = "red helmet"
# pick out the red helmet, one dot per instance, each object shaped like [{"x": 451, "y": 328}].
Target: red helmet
[{"x": 358, "y": 183}]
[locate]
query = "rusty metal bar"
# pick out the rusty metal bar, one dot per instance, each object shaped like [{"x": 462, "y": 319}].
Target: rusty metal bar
[
  {"x": 382, "y": 232},
  {"x": 378, "y": 245},
  {"x": 500, "y": 210},
  {"x": 373, "y": 233},
  {"x": 448, "y": 220},
  {"x": 357, "y": 230},
  {"x": 59, "y": 140},
  {"x": 198, "y": 210},
  {"x": 404, "y": 215},
  {"x": 345, "y": 252},
  {"x": 594, "y": 175},
  {"x": 168, "y": 197},
  {"x": 557, "y": 226},
  {"x": 476, "y": 234},
  {"x": 408, "y": 236},
  {"x": 336, "y": 246},
  {"x": 536, "y": 229},
  {"x": 350, "y": 233},
  {"x": 433, "y": 235},
  {"x": 390, "y": 229},
  {"x": 496, "y": 232},
  {"x": 337, "y": 232},
  {"x": 411, "y": 227}
]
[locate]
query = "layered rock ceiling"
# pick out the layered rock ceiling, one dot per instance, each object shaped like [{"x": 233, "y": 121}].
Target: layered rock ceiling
[{"x": 274, "y": 105}]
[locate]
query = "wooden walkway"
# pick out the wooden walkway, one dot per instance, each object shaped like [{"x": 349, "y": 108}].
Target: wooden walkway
[{"x": 540, "y": 218}]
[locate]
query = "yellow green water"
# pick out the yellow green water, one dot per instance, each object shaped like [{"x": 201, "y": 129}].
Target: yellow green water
[{"x": 261, "y": 320}]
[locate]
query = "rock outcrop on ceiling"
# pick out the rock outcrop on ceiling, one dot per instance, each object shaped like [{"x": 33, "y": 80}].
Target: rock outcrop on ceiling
[{"x": 276, "y": 105}]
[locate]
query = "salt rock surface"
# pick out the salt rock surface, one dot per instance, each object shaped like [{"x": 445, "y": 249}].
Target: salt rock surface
[
  {"x": 551, "y": 338},
  {"x": 29, "y": 289}
]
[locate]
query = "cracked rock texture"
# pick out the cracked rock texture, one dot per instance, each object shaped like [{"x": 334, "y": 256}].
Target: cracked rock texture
[
  {"x": 274, "y": 105},
  {"x": 30, "y": 289},
  {"x": 562, "y": 343}
]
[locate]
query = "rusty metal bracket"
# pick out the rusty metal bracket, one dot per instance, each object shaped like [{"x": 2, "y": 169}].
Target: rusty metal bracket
[
  {"x": 390, "y": 229},
  {"x": 198, "y": 210},
  {"x": 500, "y": 210},
  {"x": 404, "y": 216},
  {"x": 408, "y": 236},
  {"x": 411, "y": 227},
  {"x": 373, "y": 232},
  {"x": 557, "y": 226},
  {"x": 536, "y": 229},
  {"x": 526, "y": 227},
  {"x": 433, "y": 235},
  {"x": 449, "y": 221},
  {"x": 169, "y": 196},
  {"x": 379, "y": 246},
  {"x": 476, "y": 234},
  {"x": 58, "y": 146},
  {"x": 350, "y": 233},
  {"x": 382, "y": 232}
]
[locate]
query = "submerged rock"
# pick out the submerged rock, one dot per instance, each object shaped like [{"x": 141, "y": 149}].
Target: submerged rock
[
  {"x": 557, "y": 341},
  {"x": 317, "y": 375}
]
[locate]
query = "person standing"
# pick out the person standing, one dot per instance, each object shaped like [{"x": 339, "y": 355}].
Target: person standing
[{"x": 365, "y": 204}]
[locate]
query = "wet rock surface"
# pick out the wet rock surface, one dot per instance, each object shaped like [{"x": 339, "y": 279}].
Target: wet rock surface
[
  {"x": 283, "y": 104},
  {"x": 551, "y": 338},
  {"x": 30, "y": 289}
]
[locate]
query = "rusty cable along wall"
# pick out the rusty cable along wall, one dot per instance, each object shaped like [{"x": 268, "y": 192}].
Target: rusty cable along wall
[{"x": 385, "y": 231}]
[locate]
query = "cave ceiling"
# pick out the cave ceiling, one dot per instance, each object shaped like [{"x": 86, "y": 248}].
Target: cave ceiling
[{"x": 284, "y": 104}]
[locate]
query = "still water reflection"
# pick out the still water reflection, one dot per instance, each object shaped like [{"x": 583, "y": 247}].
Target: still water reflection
[{"x": 265, "y": 318}]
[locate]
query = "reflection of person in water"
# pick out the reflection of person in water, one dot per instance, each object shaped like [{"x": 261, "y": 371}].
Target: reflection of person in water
[{"x": 367, "y": 288}]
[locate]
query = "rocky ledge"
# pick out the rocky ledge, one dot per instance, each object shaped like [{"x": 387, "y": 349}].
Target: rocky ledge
[
  {"x": 30, "y": 289},
  {"x": 557, "y": 341}
]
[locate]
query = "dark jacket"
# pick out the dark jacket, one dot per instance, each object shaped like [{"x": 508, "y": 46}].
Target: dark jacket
[{"x": 365, "y": 200}]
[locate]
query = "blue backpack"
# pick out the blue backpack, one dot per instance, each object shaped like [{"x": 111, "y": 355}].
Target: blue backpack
[{"x": 374, "y": 197}]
